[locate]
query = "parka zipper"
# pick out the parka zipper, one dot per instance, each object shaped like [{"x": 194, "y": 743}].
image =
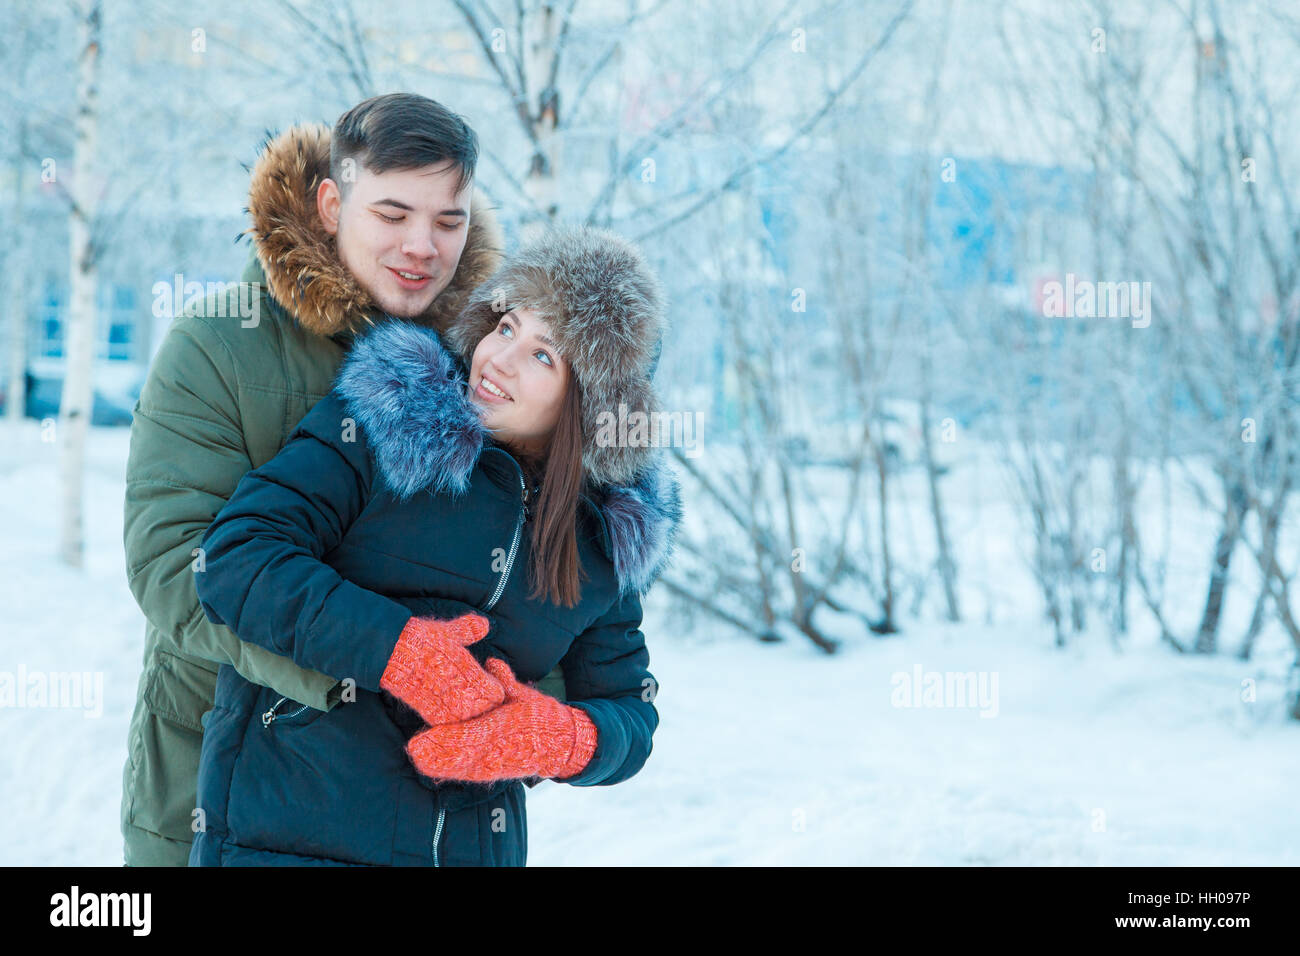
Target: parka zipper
[
  {"x": 496, "y": 595},
  {"x": 437, "y": 832},
  {"x": 271, "y": 714},
  {"x": 514, "y": 546}
]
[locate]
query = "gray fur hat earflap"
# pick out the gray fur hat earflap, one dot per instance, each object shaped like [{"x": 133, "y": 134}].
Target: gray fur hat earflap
[{"x": 605, "y": 309}]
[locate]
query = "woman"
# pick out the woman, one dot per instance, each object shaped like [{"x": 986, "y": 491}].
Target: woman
[{"x": 437, "y": 542}]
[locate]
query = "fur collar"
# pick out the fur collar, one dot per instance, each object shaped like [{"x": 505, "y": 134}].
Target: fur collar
[
  {"x": 407, "y": 392},
  {"x": 300, "y": 258}
]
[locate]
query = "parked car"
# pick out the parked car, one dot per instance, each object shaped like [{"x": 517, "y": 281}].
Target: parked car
[{"x": 117, "y": 387}]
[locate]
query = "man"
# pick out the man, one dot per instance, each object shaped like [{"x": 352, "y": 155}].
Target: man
[{"x": 378, "y": 218}]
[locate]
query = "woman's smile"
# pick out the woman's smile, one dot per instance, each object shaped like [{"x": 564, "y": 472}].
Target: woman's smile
[{"x": 490, "y": 391}]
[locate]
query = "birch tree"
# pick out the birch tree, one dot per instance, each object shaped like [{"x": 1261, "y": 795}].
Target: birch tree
[{"x": 78, "y": 380}]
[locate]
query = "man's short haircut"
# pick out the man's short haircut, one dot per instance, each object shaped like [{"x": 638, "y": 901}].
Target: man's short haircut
[{"x": 402, "y": 131}]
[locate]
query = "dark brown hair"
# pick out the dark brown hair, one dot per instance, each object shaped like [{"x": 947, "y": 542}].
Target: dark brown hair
[
  {"x": 402, "y": 131},
  {"x": 554, "y": 565}
]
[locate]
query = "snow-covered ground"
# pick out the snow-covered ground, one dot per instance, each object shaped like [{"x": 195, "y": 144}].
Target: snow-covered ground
[{"x": 767, "y": 753}]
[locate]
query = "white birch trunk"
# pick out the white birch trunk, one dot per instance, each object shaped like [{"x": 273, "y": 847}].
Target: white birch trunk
[
  {"x": 79, "y": 331},
  {"x": 539, "y": 62}
]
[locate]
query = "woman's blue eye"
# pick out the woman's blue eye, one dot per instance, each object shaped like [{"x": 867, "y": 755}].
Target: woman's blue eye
[{"x": 506, "y": 327}]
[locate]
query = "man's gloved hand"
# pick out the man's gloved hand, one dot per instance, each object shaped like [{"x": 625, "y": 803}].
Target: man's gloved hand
[
  {"x": 531, "y": 734},
  {"x": 432, "y": 672}
]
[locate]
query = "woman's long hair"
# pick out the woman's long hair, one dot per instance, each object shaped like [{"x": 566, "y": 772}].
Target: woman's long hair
[{"x": 554, "y": 564}]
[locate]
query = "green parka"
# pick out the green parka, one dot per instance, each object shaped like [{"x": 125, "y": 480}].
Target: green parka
[{"x": 226, "y": 388}]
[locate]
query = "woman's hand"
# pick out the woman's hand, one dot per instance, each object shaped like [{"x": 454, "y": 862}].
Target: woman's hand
[
  {"x": 432, "y": 672},
  {"x": 530, "y": 735}
]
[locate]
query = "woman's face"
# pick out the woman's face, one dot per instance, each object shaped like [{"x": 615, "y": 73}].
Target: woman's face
[{"x": 519, "y": 359}]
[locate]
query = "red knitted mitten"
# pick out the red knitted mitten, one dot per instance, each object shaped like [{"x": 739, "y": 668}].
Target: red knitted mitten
[
  {"x": 530, "y": 735},
  {"x": 432, "y": 672}
]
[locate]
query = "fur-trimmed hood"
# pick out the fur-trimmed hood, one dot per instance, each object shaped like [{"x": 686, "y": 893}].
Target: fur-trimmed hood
[
  {"x": 301, "y": 260},
  {"x": 409, "y": 394}
]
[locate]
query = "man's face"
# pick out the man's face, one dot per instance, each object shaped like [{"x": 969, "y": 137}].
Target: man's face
[{"x": 399, "y": 233}]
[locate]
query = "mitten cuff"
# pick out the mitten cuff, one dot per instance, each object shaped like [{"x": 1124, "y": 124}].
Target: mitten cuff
[
  {"x": 404, "y": 664},
  {"x": 584, "y": 743}
]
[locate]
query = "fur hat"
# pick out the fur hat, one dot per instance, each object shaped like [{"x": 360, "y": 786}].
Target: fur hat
[{"x": 605, "y": 309}]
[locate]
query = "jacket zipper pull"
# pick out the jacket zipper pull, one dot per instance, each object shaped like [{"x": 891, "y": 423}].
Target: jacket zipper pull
[{"x": 270, "y": 714}]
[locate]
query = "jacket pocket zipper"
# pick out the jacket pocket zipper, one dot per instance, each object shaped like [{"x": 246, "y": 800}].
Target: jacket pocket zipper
[
  {"x": 271, "y": 714},
  {"x": 437, "y": 833}
]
